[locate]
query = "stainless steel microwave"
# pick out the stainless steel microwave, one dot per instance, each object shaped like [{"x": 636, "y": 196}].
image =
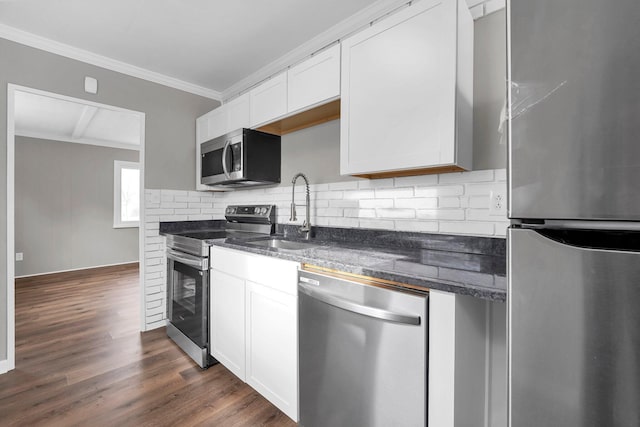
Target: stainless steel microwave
[{"x": 242, "y": 158}]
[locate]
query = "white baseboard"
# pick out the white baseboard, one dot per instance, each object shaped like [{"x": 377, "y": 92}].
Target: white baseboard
[
  {"x": 4, "y": 366},
  {"x": 78, "y": 269}
]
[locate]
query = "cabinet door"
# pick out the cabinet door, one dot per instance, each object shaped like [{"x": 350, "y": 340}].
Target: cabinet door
[
  {"x": 269, "y": 100},
  {"x": 272, "y": 346},
  {"x": 315, "y": 80},
  {"x": 227, "y": 319},
  {"x": 216, "y": 122},
  {"x": 238, "y": 113},
  {"x": 398, "y": 92},
  {"x": 208, "y": 126}
]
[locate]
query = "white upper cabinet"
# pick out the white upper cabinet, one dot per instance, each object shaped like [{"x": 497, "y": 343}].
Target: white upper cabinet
[
  {"x": 269, "y": 100},
  {"x": 315, "y": 80},
  {"x": 211, "y": 125},
  {"x": 407, "y": 92},
  {"x": 238, "y": 113},
  {"x": 208, "y": 126}
]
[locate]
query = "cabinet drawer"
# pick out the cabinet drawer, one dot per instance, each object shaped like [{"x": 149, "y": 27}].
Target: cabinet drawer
[{"x": 275, "y": 273}]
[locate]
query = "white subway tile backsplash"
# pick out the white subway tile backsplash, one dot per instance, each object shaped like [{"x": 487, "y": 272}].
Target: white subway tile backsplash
[
  {"x": 456, "y": 203},
  {"x": 359, "y": 194},
  {"x": 467, "y": 227},
  {"x": 483, "y": 189},
  {"x": 360, "y": 213},
  {"x": 440, "y": 190},
  {"x": 417, "y": 226},
  {"x": 375, "y": 203},
  {"x": 464, "y": 177},
  {"x": 432, "y": 214},
  {"x": 394, "y": 193},
  {"x": 329, "y": 211},
  {"x": 448, "y": 202},
  {"x": 420, "y": 180},
  {"x": 375, "y": 183},
  {"x": 417, "y": 203},
  {"x": 376, "y": 223},
  {"x": 187, "y": 199},
  {"x": 396, "y": 213},
  {"x": 343, "y": 222},
  {"x": 348, "y": 185},
  {"x": 340, "y": 203}
]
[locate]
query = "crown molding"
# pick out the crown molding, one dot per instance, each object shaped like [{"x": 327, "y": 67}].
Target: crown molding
[
  {"x": 43, "y": 43},
  {"x": 339, "y": 31}
]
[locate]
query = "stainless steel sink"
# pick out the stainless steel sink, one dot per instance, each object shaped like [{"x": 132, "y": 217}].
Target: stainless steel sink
[{"x": 282, "y": 244}]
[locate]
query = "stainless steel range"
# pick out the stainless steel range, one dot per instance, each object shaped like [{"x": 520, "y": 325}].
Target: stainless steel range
[{"x": 188, "y": 275}]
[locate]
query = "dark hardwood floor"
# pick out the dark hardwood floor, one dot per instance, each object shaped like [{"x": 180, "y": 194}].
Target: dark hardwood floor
[{"x": 81, "y": 360}]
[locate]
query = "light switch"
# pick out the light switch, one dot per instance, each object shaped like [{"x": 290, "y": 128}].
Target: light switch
[
  {"x": 19, "y": 256},
  {"x": 90, "y": 85}
]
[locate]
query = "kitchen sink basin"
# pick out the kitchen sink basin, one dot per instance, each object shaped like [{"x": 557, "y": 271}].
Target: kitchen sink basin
[{"x": 282, "y": 244}]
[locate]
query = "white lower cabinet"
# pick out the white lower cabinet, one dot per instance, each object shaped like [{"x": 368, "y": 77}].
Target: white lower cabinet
[
  {"x": 272, "y": 346},
  {"x": 254, "y": 323},
  {"x": 467, "y": 361},
  {"x": 227, "y": 321}
]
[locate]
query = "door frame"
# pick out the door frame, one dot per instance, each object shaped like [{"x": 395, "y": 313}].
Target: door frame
[{"x": 9, "y": 364}]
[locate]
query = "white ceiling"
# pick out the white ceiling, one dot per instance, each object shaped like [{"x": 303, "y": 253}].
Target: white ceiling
[
  {"x": 45, "y": 117},
  {"x": 210, "y": 43},
  {"x": 215, "y": 48}
]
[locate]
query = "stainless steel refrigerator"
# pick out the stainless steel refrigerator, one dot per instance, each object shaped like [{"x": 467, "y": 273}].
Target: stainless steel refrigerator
[{"x": 574, "y": 204}]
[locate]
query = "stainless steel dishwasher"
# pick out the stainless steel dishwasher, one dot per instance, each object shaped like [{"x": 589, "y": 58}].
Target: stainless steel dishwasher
[{"x": 363, "y": 353}]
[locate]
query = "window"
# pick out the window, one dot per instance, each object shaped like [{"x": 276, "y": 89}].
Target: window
[{"x": 126, "y": 194}]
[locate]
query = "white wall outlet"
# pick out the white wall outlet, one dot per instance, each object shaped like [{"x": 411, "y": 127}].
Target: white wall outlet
[
  {"x": 19, "y": 256},
  {"x": 498, "y": 203}
]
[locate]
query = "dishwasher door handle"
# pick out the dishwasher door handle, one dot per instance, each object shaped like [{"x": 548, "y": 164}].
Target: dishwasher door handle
[{"x": 354, "y": 307}]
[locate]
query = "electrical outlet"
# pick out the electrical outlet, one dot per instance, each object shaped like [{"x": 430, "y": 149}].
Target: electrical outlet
[
  {"x": 498, "y": 203},
  {"x": 19, "y": 256}
]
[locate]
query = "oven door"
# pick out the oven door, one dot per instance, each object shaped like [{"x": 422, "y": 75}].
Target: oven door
[
  {"x": 222, "y": 159},
  {"x": 188, "y": 295}
]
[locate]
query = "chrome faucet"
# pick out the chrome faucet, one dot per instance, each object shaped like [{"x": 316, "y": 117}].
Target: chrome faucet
[{"x": 306, "y": 225}]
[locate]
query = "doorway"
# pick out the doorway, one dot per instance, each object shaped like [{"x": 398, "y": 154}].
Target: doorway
[{"x": 92, "y": 121}]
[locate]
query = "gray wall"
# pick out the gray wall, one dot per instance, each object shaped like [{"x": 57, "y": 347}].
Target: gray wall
[
  {"x": 316, "y": 150},
  {"x": 170, "y": 122},
  {"x": 64, "y": 207},
  {"x": 489, "y": 91}
]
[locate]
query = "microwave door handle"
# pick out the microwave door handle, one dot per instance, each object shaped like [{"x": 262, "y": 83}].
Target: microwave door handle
[{"x": 224, "y": 158}]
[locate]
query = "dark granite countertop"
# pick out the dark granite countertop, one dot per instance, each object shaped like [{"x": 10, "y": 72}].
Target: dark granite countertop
[{"x": 466, "y": 265}]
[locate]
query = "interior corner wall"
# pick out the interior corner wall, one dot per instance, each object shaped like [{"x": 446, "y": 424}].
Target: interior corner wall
[
  {"x": 169, "y": 128},
  {"x": 64, "y": 207}
]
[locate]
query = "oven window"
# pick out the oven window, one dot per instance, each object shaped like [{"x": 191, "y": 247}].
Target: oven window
[
  {"x": 184, "y": 291},
  {"x": 188, "y": 304}
]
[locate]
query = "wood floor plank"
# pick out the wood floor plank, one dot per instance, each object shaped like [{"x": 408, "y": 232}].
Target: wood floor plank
[{"x": 80, "y": 360}]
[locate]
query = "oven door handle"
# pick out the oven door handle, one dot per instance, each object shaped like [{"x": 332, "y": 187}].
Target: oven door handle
[{"x": 190, "y": 260}]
